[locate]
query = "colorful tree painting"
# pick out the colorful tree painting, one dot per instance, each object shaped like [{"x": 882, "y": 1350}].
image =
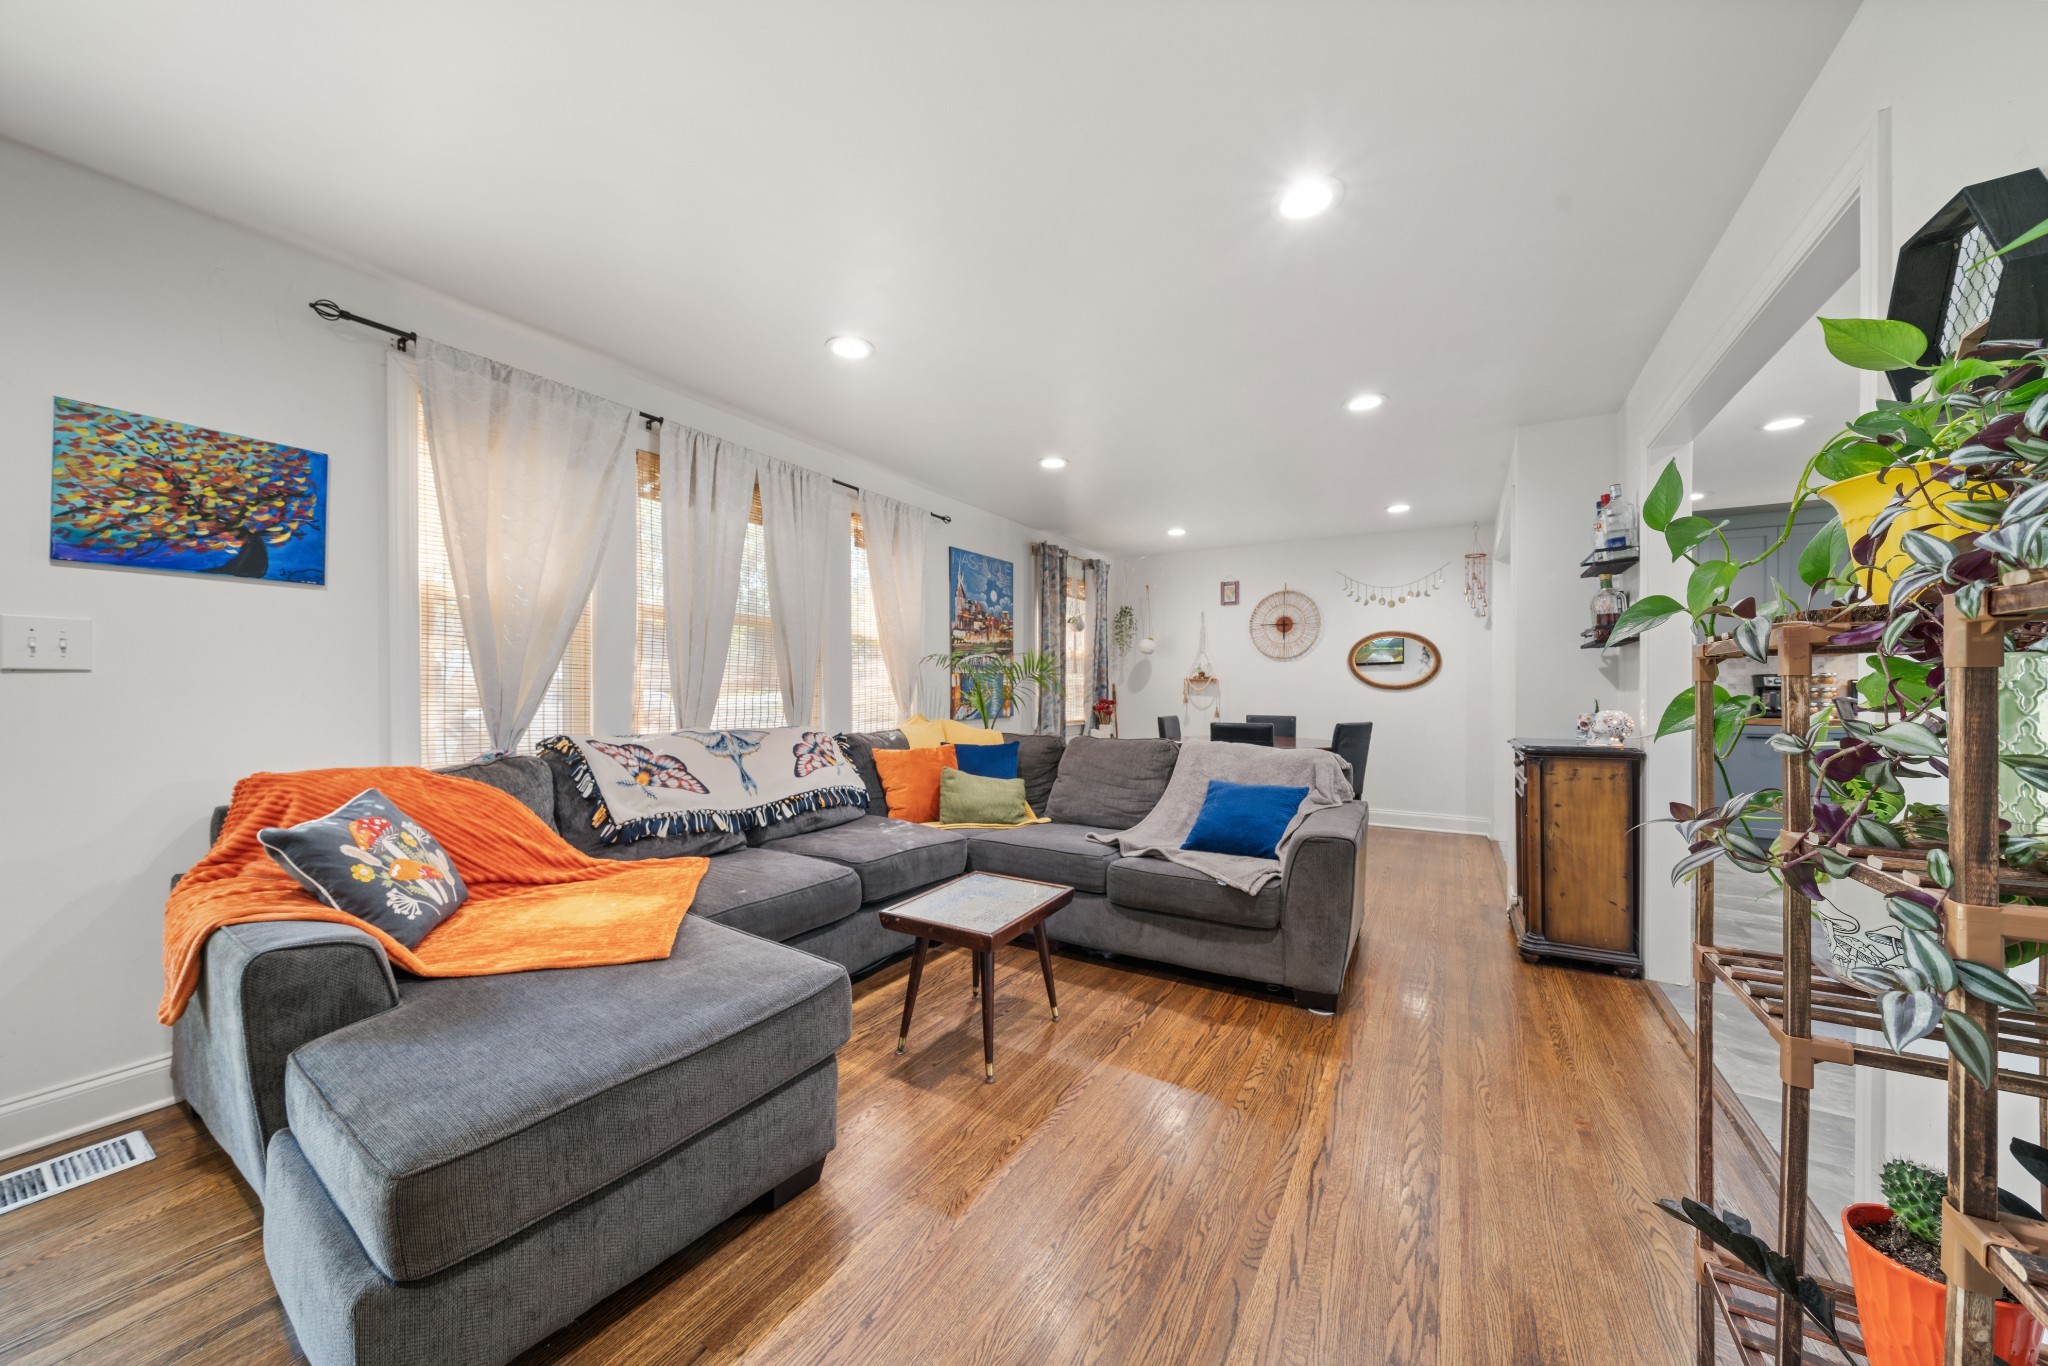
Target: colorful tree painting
[{"x": 148, "y": 493}]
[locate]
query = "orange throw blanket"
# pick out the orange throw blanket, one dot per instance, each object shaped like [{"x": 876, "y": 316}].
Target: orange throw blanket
[{"x": 533, "y": 901}]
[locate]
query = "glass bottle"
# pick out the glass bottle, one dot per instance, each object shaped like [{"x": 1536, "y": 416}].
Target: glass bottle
[
  {"x": 1600, "y": 524},
  {"x": 1619, "y": 522},
  {"x": 1609, "y": 603}
]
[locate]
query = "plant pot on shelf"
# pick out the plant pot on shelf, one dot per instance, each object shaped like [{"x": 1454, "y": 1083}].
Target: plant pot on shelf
[
  {"x": 1859, "y": 499},
  {"x": 1902, "y": 1312}
]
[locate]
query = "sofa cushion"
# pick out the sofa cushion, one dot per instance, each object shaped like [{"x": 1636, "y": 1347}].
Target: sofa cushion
[
  {"x": 910, "y": 777},
  {"x": 368, "y": 859},
  {"x": 1113, "y": 784},
  {"x": 578, "y": 821},
  {"x": 890, "y": 857},
  {"x": 1151, "y": 884},
  {"x": 859, "y": 747},
  {"x": 1038, "y": 764},
  {"x": 522, "y": 775},
  {"x": 803, "y": 822},
  {"x": 774, "y": 894},
  {"x": 1045, "y": 853},
  {"x": 483, "y": 1104}
]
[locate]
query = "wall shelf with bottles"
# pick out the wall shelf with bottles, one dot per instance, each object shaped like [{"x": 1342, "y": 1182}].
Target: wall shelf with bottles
[{"x": 1608, "y": 562}]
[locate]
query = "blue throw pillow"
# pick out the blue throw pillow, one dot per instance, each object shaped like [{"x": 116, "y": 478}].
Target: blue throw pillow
[
  {"x": 368, "y": 859},
  {"x": 987, "y": 761},
  {"x": 1244, "y": 818}
]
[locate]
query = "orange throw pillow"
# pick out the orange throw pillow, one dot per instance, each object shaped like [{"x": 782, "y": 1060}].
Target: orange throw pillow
[{"x": 910, "y": 780}]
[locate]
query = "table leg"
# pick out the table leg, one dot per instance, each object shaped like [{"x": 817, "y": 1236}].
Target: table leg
[
  {"x": 910, "y": 996},
  {"x": 1045, "y": 966},
  {"x": 988, "y": 1013},
  {"x": 975, "y": 960}
]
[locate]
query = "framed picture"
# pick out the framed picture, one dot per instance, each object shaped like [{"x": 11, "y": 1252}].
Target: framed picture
[
  {"x": 1380, "y": 652},
  {"x": 134, "y": 492},
  {"x": 1230, "y": 592},
  {"x": 984, "y": 618}
]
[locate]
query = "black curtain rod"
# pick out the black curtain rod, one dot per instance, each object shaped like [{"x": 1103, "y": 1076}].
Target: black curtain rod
[{"x": 335, "y": 313}]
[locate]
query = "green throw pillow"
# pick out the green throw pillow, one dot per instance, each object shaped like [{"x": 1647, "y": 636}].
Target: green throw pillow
[{"x": 966, "y": 799}]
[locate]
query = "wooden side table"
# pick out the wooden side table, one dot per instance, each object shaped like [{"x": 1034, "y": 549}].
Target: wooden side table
[{"x": 980, "y": 912}]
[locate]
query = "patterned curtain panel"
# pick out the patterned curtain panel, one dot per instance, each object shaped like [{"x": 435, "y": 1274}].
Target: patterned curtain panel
[
  {"x": 1052, "y": 633},
  {"x": 1097, "y": 572},
  {"x": 2022, "y": 724}
]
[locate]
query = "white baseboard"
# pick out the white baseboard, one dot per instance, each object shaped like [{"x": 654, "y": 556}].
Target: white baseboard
[
  {"x": 1432, "y": 820},
  {"x": 48, "y": 1116}
]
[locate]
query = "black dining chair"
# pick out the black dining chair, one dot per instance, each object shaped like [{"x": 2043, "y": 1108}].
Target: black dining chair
[
  {"x": 1283, "y": 726},
  {"x": 1351, "y": 742},
  {"x": 1169, "y": 728},
  {"x": 1242, "y": 732}
]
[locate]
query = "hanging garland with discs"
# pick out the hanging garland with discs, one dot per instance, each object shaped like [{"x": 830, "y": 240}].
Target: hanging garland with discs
[
  {"x": 1285, "y": 624},
  {"x": 1393, "y": 595}
]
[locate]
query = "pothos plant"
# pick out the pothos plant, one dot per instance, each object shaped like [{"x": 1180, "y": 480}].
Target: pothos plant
[{"x": 1968, "y": 455}]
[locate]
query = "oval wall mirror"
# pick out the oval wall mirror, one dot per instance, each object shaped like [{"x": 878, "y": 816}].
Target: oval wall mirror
[{"x": 1395, "y": 660}]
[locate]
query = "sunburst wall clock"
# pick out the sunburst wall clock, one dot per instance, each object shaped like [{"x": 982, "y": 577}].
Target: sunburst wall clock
[{"x": 1285, "y": 624}]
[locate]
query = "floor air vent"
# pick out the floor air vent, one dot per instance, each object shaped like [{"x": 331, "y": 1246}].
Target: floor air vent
[{"x": 60, "y": 1174}]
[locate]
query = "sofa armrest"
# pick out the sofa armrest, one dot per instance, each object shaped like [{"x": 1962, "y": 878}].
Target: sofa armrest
[
  {"x": 1322, "y": 897},
  {"x": 264, "y": 990}
]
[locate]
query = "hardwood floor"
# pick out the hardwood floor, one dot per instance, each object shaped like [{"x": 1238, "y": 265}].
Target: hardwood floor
[{"x": 1459, "y": 1167}]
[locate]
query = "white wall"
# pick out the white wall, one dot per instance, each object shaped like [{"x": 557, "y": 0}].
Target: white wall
[
  {"x": 1427, "y": 769},
  {"x": 120, "y": 298}
]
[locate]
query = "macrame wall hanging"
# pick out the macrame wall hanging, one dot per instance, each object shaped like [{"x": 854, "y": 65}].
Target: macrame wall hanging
[
  {"x": 1201, "y": 692},
  {"x": 1393, "y": 595},
  {"x": 1477, "y": 580}
]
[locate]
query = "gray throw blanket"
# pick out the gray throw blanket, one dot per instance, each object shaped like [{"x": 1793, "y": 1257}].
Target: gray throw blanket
[{"x": 1161, "y": 834}]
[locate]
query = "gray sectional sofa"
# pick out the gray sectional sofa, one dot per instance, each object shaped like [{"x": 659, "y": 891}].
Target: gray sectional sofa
[{"x": 453, "y": 1169}]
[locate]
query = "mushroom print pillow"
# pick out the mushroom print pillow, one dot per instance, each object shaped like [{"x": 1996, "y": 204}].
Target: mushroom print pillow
[{"x": 370, "y": 860}]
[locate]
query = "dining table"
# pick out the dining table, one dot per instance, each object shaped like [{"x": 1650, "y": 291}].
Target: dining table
[{"x": 1296, "y": 742}]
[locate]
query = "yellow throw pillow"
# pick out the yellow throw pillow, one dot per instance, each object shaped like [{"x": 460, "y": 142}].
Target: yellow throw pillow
[
  {"x": 960, "y": 733},
  {"x": 923, "y": 734}
]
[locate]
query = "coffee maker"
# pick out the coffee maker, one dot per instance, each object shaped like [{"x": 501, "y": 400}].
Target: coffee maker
[{"x": 1770, "y": 691}]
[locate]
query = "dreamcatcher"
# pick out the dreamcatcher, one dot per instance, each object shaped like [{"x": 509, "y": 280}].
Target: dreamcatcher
[
  {"x": 1201, "y": 692},
  {"x": 1285, "y": 624},
  {"x": 1476, "y": 577}
]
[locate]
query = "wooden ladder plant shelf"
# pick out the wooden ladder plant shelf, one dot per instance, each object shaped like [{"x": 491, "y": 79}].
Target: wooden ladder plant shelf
[{"x": 1789, "y": 996}]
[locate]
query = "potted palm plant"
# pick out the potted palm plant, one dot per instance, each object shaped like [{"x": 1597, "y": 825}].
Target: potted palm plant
[{"x": 991, "y": 685}]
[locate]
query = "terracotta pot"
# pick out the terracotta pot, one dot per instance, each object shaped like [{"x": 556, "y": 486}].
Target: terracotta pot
[
  {"x": 1861, "y": 498},
  {"x": 1902, "y": 1311}
]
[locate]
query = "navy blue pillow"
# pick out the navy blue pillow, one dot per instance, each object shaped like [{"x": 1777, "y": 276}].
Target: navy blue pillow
[
  {"x": 368, "y": 859},
  {"x": 1244, "y": 818},
  {"x": 987, "y": 761}
]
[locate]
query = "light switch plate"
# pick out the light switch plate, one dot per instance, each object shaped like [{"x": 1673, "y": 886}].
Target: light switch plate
[{"x": 45, "y": 644}]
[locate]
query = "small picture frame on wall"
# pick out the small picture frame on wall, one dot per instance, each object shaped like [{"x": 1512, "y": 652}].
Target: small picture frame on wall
[{"x": 1230, "y": 592}]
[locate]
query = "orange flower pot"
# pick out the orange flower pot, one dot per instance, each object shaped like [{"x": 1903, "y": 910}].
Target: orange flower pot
[{"x": 1903, "y": 1312}]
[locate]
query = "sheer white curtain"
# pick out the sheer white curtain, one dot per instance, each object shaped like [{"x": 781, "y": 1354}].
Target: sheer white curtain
[
  {"x": 895, "y": 536},
  {"x": 707, "y": 498},
  {"x": 802, "y": 524},
  {"x": 529, "y": 475}
]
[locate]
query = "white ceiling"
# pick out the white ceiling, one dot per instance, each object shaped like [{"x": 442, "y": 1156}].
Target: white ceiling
[
  {"x": 1053, "y": 219},
  {"x": 1739, "y": 464}
]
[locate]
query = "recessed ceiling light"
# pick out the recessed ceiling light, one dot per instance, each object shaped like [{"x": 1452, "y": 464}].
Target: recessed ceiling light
[
  {"x": 1176, "y": 531},
  {"x": 1698, "y": 494},
  {"x": 1053, "y": 462},
  {"x": 1784, "y": 424},
  {"x": 1309, "y": 196},
  {"x": 1397, "y": 507},
  {"x": 851, "y": 348},
  {"x": 1364, "y": 403}
]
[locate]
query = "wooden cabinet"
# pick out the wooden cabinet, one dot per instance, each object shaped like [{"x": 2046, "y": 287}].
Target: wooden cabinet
[{"x": 1578, "y": 874}]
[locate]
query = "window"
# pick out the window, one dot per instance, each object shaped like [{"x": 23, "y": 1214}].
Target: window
[
  {"x": 874, "y": 704},
  {"x": 1076, "y": 681},
  {"x": 654, "y": 704},
  {"x": 451, "y": 715},
  {"x": 749, "y": 693}
]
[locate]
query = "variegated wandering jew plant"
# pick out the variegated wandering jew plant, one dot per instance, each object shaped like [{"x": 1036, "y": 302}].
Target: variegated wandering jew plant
[{"x": 1972, "y": 441}]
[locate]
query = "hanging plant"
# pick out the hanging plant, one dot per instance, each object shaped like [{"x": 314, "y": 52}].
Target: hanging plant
[
  {"x": 1940, "y": 496},
  {"x": 1123, "y": 629}
]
